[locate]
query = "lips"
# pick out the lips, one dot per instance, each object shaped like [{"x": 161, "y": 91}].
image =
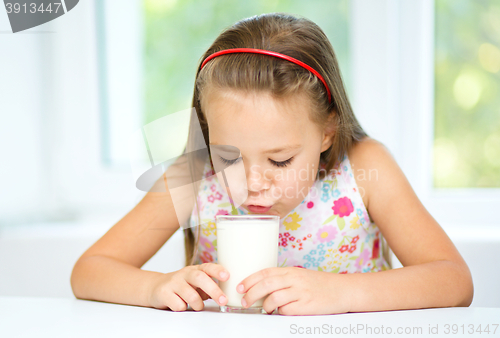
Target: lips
[{"x": 259, "y": 209}]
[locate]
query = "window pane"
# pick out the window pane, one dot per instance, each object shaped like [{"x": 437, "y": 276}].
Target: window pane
[
  {"x": 178, "y": 33},
  {"x": 467, "y": 97}
]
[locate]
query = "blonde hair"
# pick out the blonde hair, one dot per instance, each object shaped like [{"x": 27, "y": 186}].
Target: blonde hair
[{"x": 299, "y": 38}]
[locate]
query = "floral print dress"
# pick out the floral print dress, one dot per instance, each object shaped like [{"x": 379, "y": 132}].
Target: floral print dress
[{"x": 329, "y": 231}]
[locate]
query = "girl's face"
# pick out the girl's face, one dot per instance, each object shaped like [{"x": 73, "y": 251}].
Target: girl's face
[{"x": 278, "y": 142}]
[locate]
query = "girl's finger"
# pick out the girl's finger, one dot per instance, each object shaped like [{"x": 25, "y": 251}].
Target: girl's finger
[
  {"x": 253, "y": 279},
  {"x": 190, "y": 296},
  {"x": 263, "y": 288},
  {"x": 199, "y": 279},
  {"x": 278, "y": 299},
  {"x": 175, "y": 303},
  {"x": 292, "y": 309},
  {"x": 214, "y": 270}
]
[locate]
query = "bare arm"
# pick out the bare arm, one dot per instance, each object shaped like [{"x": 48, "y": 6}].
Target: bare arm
[
  {"x": 110, "y": 269},
  {"x": 434, "y": 273}
]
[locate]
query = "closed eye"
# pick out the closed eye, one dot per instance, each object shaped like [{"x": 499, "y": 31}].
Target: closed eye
[
  {"x": 229, "y": 162},
  {"x": 275, "y": 163},
  {"x": 282, "y": 163}
]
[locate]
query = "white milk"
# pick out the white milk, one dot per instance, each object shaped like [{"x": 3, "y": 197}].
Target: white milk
[{"x": 245, "y": 244}]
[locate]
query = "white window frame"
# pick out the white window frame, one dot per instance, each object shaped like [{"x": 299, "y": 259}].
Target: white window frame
[
  {"x": 86, "y": 185},
  {"x": 393, "y": 58}
]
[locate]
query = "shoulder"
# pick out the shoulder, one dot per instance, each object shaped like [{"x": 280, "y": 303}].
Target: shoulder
[
  {"x": 412, "y": 233},
  {"x": 369, "y": 151},
  {"x": 372, "y": 165}
]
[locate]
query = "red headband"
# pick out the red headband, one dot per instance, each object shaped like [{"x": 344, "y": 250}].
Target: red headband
[{"x": 267, "y": 52}]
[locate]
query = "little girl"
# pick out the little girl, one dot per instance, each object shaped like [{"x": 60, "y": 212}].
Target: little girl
[{"x": 271, "y": 87}]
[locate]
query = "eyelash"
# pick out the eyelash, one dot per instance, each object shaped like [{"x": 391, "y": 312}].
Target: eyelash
[
  {"x": 283, "y": 163},
  {"x": 228, "y": 162},
  {"x": 277, "y": 164}
]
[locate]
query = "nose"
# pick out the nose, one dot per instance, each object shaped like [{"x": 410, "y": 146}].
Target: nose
[{"x": 257, "y": 180}]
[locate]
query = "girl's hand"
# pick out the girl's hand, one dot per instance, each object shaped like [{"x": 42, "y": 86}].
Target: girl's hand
[
  {"x": 190, "y": 285},
  {"x": 296, "y": 291}
]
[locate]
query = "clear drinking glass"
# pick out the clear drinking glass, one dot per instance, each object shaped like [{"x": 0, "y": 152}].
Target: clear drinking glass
[{"x": 245, "y": 244}]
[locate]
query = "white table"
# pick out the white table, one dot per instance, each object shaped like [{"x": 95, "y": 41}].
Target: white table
[{"x": 66, "y": 317}]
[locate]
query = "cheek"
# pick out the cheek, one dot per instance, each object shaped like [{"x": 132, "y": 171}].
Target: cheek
[
  {"x": 235, "y": 178},
  {"x": 295, "y": 184}
]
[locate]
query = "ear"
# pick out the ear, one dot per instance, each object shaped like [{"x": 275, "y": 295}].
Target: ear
[{"x": 328, "y": 133}]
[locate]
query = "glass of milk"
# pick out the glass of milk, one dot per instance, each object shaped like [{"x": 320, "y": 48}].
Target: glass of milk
[{"x": 245, "y": 244}]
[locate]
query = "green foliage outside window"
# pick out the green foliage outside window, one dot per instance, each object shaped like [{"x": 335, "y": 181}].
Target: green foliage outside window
[{"x": 467, "y": 95}]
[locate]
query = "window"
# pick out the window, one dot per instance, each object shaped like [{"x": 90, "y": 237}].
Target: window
[
  {"x": 467, "y": 94},
  {"x": 398, "y": 91},
  {"x": 52, "y": 166}
]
